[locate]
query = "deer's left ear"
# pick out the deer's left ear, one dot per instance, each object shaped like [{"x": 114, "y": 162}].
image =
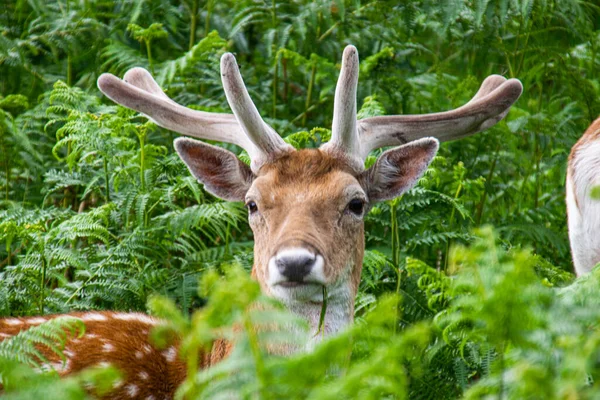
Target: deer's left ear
[{"x": 398, "y": 169}]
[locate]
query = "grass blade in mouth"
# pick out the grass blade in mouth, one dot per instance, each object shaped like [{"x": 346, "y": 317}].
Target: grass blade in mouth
[{"x": 323, "y": 311}]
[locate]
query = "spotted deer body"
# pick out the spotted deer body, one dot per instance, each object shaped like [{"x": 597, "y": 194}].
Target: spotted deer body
[
  {"x": 583, "y": 174},
  {"x": 305, "y": 207},
  {"x": 120, "y": 340},
  {"x": 156, "y": 373}
]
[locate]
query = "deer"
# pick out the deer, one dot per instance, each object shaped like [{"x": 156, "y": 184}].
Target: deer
[
  {"x": 583, "y": 211},
  {"x": 306, "y": 207}
]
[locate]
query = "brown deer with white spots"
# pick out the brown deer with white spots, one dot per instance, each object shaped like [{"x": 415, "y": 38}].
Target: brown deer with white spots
[
  {"x": 305, "y": 207},
  {"x": 583, "y": 174}
]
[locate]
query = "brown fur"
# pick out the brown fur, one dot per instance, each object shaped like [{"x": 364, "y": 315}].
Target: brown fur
[
  {"x": 304, "y": 166},
  {"x": 302, "y": 201},
  {"x": 591, "y": 134}
]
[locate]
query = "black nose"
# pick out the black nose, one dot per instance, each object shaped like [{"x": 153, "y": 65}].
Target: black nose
[{"x": 295, "y": 267}]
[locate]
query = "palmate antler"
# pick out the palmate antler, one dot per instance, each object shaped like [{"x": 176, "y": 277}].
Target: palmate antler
[
  {"x": 355, "y": 139},
  {"x": 351, "y": 139},
  {"x": 245, "y": 128}
]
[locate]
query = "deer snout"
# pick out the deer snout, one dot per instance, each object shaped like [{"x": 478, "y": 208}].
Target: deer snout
[{"x": 296, "y": 265}]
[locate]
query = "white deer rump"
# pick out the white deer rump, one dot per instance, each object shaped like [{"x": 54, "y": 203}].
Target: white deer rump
[{"x": 584, "y": 211}]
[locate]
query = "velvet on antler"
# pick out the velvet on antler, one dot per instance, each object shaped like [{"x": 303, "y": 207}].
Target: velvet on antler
[
  {"x": 354, "y": 140},
  {"x": 245, "y": 128},
  {"x": 351, "y": 140}
]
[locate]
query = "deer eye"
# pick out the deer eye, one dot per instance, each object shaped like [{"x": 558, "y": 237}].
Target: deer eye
[
  {"x": 356, "y": 206},
  {"x": 252, "y": 207}
]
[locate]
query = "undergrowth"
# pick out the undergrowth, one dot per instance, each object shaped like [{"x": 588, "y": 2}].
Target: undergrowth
[{"x": 97, "y": 212}]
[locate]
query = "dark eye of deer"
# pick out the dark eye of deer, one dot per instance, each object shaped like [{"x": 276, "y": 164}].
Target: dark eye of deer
[
  {"x": 252, "y": 207},
  {"x": 356, "y": 206}
]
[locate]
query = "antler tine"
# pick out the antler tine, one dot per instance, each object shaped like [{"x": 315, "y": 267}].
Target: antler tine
[
  {"x": 488, "y": 85},
  {"x": 344, "y": 136},
  {"x": 142, "y": 94},
  {"x": 269, "y": 144},
  {"x": 142, "y": 79},
  {"x": 491, "y": 103}
]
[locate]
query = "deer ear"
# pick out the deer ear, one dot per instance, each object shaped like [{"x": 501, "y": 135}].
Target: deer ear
[
  {"x": 398, "y": 169},
  {"x": 221, "y": 172}
]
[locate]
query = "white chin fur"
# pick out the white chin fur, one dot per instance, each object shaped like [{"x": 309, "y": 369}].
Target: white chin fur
[{"x": 304, "y": 293}]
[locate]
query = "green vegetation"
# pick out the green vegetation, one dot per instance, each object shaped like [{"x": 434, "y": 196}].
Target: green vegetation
[{"x": 97, "y": 212}]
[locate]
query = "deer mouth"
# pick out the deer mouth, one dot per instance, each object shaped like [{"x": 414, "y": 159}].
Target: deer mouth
[{"x": 294, "y": 284}]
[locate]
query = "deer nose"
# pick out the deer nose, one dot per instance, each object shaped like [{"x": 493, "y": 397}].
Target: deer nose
[{"x": 295, "y": 264}]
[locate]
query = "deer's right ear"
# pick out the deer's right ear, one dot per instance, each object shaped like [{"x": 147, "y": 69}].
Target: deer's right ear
[{"x": 221, "y": 172}]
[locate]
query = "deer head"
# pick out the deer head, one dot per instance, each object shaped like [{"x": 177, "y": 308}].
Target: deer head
[{"x": 306, "y": 207}]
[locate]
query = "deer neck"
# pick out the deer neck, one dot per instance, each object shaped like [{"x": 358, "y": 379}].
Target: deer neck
[
  {"x": 338, "y": 312},
  {"x": 338, "y": 308}
]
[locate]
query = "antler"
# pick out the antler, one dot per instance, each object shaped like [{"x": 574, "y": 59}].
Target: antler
[
  {"x": 355, "y": 139},
  {"x": 140, "y": 92},
  {"x": 351, "y": 140},
  {"x": 345, "y": 141}
]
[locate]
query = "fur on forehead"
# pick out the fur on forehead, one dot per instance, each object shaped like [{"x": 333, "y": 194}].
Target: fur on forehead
[{"x": 306, "y": 165}]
